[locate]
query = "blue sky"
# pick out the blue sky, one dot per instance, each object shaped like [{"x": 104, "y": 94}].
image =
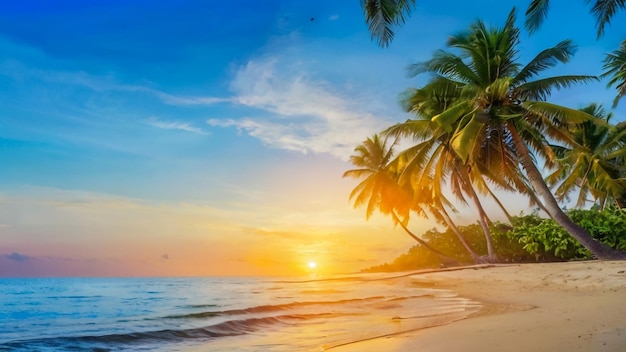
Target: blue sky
[{"x": 185, "y": 137}]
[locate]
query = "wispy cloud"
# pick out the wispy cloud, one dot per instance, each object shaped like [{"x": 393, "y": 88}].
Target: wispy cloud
[
  {"x": 18, "y": 257},
  {"x": 305, "y": 114},
  {"x": 191, "y": 100},
  {"x": 174, "y": 125},
  {"x": 299, "y": 110},
  {"x": 99, "y": 83},
  {"x": 17, "y": 264}
]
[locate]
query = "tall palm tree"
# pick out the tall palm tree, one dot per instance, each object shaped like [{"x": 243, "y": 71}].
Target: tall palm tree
[
  {"x": 590, "y": 165},
  {"x": 615, "y": 66},
  {"x": 433, "y": 99},
  {"x": 431, "y": 160},
  {"x": 379, "y": 190},
  {"x": 382, "y": 16},
  {"x": 497, "y": 98},
  {"x": 422, "y": 168},
  {"x": 602, "y": 10}
]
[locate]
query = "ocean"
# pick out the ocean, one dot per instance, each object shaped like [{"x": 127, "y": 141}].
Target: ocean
[{"x": 216, "y": 314}]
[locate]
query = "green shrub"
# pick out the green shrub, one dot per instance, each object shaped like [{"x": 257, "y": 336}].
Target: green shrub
[
  {"x": 530, "y": 238},
  {"x": 545, "y": 239}
]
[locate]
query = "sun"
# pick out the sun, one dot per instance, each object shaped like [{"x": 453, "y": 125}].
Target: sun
[{"x": 312, "y": 265}]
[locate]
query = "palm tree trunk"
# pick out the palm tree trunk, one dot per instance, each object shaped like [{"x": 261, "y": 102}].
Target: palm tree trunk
[
  {"x": 600, "y": 250},
  {"x": 506, "y": 213},
  {"x": 446, "y": 259},
  {"x": 538, "y": 201},
  {"x": 459, "y": 235},
  {"x": 602, "y": 203},
  {"x": 483, "y": 218},
  {"x": 484, "y": 223}
]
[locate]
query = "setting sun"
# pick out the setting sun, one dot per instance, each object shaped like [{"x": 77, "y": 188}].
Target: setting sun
[{"x": 312, "y": 265}]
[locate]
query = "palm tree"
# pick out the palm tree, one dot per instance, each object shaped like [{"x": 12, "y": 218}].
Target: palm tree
[
  {"x": 501, "y": 110},
  {"x": 432, "y": 100},
  {"x": 432, "y": 158},
  {"x": 379, "y": 190},
  {"x": 382, "y": 16},
  {"x": 602, "y": 10},
  {"x": 421, "y": 169},
  {"x": 615, "y": 66},
  {"x": 590, "y": 165}
]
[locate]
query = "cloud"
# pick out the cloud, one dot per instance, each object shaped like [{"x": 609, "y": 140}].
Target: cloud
[
  {"x": 288, "y": 137},
  {"x": 174, "y": 125},
  {"x": 17, "y": 257},
  {"x": 183, "y": 101},
  {"x": 303, "y": 114},
  {"x": 21, "y": 265},
  {"x": 99, "y": 83},
  {"x": 294, "y": 109}
]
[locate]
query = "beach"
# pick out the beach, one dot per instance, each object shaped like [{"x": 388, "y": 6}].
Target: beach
[{"x": 573, "y": 306}]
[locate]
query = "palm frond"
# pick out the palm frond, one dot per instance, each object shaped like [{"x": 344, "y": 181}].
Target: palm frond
[
  {"x": 382, "y": 16},
  {"x": 419, "y": 165},
  {"x": 604, "y": 10},
  {"x": 491, "y": 51},
  {"x": 465, "y": 138},
  {"x": 558, "y": 115},
  {"x": 615, "y": 66},
  {"x": 447, "y": 65},
  {"x": 417, "y": 130},
  {"x": 541, "y": 89},
  {"x": 535, "y": 14},
  {"x": 448, "y": 118},
  {"x": 547, "y": 58},
  {"x": 438, "y": 95},
  {"x": 357, "y": 173}
]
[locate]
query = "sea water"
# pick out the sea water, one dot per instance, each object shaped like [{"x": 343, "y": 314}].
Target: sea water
[{"x": 215, "y": 314}]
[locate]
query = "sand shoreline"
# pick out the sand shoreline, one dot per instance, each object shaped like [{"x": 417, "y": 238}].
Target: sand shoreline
[{"x": 574, "y": 306}]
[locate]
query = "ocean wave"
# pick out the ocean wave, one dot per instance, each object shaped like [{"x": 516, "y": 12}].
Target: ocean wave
[
  {"x": 286, "y": 318},
  {"x": 75, "y": 297},
  {"x": 201, "y": 306},
  {"x": 270, "y": 308},
  {"x": 99, "y": 342}
]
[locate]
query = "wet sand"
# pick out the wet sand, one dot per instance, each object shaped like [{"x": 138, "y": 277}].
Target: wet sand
[{"x": 574, "y": 306}]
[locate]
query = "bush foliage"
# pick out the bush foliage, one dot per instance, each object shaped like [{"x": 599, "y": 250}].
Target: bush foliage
[
  {"x": 530, "y": 238},
  {"x": 548, "y": 241}
]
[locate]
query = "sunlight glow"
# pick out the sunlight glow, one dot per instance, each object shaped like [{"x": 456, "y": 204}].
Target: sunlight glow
[{"x": 312, "y": 265}]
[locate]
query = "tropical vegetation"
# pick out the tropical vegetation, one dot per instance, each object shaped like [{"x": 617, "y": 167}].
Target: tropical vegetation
[
  {"x": 594, "y": 164},
  {"x": 531, "y": 238},
  {"x": 384, "y": 17},
  {"x": 482, "y": 122}
]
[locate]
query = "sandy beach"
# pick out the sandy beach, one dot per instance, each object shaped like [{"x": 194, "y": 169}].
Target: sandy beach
[{"x": 574, "y": 306}]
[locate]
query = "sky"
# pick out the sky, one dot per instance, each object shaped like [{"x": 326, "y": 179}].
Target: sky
[{"x": 185, "y": 138}]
